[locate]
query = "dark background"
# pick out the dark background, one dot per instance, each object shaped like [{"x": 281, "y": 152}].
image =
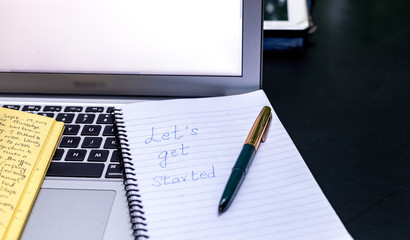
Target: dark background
[{"x": 345, "y": 102}]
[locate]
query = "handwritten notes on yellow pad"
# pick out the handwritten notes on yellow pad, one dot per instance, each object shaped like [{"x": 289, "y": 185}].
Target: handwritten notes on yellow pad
[{"x": 27, "y": 144}]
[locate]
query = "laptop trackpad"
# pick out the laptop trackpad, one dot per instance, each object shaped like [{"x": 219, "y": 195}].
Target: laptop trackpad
[{"x": 69, "y": 214}]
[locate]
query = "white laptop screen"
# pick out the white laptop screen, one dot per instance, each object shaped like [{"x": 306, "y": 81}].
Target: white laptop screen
[{"x": 178, "y": 37}]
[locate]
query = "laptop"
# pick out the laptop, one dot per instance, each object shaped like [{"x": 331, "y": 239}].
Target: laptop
[{"x": 77, "y": 60}]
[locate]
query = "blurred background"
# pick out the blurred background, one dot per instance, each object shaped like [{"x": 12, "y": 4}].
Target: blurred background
[{"x": 343, "y": 94}]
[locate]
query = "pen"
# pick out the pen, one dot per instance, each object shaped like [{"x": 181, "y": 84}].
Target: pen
[{"x": 241, "y": 167}]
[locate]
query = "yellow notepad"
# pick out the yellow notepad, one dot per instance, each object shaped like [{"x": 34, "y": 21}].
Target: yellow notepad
[{"x": 27, "y": 145}]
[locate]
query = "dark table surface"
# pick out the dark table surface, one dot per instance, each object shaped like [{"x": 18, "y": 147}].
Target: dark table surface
[{"x": 345, "y": 101}]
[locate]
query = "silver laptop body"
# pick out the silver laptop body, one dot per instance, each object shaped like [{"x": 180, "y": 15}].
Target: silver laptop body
[{"x": 84, "y": 58}]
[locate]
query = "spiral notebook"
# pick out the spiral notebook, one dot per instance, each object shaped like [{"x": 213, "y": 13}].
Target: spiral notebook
[{"x": 178, "y": 155}]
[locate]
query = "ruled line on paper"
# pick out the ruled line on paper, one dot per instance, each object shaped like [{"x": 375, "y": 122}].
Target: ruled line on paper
[{"x": 192, "y": 114}]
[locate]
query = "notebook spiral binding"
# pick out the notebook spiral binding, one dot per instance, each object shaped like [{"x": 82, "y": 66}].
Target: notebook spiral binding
[{"x": 138, "y": 220}]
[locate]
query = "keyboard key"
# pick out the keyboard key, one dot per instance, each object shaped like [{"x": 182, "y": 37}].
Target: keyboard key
[
  {"x": 109, "y": 131},
  {"x": 115, "y": 156},
  {"x": 62, "y": 169},
  {"x": 98, "y": 155},
  {"x": 15, "y": 107},
  {"x": 46, "y": 114},
  {"x": 75, "y": 155},
  {"x": 71, "y": 129},
  {"x": 52, "y": 109},
  {"x": 110, "y": 143},
  {"x": 91, "y": 130},
  {"x": 114, "y": 171},
  {"x": 58, "y": 154},
  {"x": 73, "y": 109},
  {"x": 92, "y": 142},
  {"x": 110, "y": 109},
  {"x": 70, "y": 142},
  {"x": 94, "y": 109},
  {"x": 104, "y": 119},
  {"x": 65, "y": 117},
  {"x": 85, "y": 118},
  {"x": 31, "y": 108}
]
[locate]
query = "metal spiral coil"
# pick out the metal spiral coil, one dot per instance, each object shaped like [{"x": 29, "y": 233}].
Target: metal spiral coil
[{"x": 138, "y": 220}]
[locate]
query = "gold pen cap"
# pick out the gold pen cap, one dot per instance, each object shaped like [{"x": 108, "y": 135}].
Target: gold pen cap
[{"x": 260, "y": 128}]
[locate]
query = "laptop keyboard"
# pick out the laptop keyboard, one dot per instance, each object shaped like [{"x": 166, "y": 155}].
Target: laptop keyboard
[{"x": 88, "y": 146}]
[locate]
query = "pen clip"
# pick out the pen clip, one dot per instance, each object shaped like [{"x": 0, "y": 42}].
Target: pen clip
[{"x": 266, "y": 129}]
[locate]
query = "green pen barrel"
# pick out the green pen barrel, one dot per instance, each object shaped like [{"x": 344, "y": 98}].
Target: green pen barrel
[
  {"x": 245, "y": 158},
  {"x": 237, "y": 176}
]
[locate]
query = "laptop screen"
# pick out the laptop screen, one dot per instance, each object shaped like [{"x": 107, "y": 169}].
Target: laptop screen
[
  {"x": 179, "y": 37},
  {"x": 131, "y": 47}
]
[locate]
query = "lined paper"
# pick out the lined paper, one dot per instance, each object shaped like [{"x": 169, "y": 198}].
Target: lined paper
[
  {"x": 183, "y": 152},
  {"x": 27, "y": 144}
]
